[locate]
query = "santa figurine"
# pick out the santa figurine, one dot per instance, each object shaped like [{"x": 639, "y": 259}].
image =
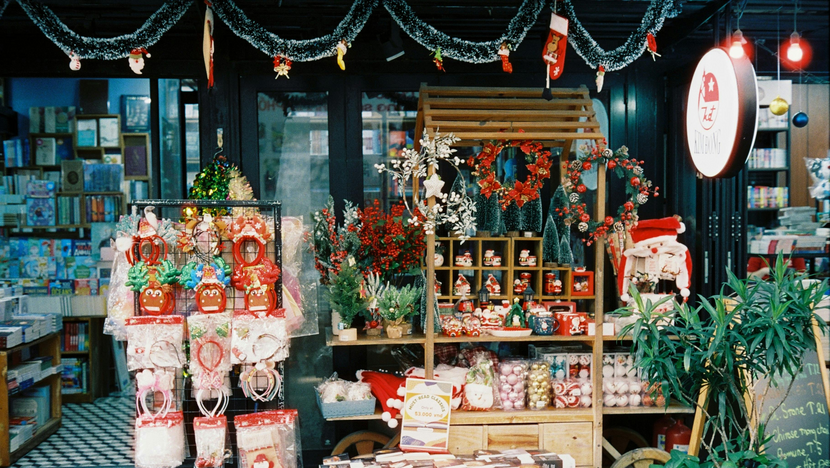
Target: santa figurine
[
  {"x": 137, "y": 59},
  {"x": 658, "y": 254}
]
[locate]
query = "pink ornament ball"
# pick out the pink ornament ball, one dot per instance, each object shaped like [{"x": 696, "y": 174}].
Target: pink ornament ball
[
  {"x": 506, "y": 388},
  {"x": 513, "y": 396},
  {"x": 505, "y": 369},
  {"x": 519, "y": 405},
  {"x": 519, "y": 387},
  {"x": 504, "y": 396},
  {"x": 506, "y": 404},
  {"x": 518, "y": 370},
  {"x": 502, "y": 378},
  {"x": 512, "y": 379}
]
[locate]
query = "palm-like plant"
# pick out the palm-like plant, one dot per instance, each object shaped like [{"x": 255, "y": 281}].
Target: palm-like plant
[{"x": 735, "y": 346}]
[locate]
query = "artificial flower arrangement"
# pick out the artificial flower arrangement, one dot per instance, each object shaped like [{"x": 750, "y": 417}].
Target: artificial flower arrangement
[{"x": 397, "y": 306}]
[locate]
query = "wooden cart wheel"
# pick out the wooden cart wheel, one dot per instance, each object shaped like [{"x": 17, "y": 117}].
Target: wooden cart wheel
[
  {"x": 641, "y": 458},
  {"x": 618, "y": 440},
  {"x": 363, "y": 441}
]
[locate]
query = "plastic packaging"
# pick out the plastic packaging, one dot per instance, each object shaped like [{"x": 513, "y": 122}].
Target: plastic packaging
[
  {"x": 155, "y": 342},
  {"x": 480, "y": 391},
  {"x": 572, "y": 393},
  {"x": 120, "y": 301},
  {"x": 210, "y": 343},
  {"x": 538, "y": 385},
  {"x": 211, "y": 434},
  {"x": 159, "y": 442},
  {"x": 269, "y": 437},
  {"x": 512, "y": 383},
  {"x": 255, "y": 339},
  {"x": 336, "y": 389},
  {"x": 299, "y": 280}
]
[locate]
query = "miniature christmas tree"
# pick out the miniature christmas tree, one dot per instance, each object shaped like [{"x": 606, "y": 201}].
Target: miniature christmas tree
[
  {"x": 344, "y": 293},
  {"x": 550, "y": 241},
  {"x": 565, "y": 255},
  {"x": 532, "y": 215},
  {"x": 488, "y": 214},
  {"x": 513, "y": 220},
  {"x": 559, "y": 201}
]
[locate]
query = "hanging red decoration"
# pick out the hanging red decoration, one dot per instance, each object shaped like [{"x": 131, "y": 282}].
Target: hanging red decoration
[{"x": 651, "y": 42}]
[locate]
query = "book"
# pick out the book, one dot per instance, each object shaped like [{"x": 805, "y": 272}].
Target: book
[
  {"x": 108, "y": 132},
  {"x": 45, "y": 152},
  {"x": 135, "y": 161},
  {"x": 40, "y": 211},
  {"x": 40, "y": 189},
  {"x": 87, "y": 132},
  {"x": 63, "y": 149}
]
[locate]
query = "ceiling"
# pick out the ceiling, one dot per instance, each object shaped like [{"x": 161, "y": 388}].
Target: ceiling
[{"x": 608, "y": 21}]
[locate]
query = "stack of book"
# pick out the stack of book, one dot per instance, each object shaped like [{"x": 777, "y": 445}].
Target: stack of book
[
  {"x": 74, "y": 378},
  {"x": 75, "y": 337}
]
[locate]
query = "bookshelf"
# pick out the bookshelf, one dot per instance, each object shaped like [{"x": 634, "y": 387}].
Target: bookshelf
[
  {"x": 768, "y": 169},
  {"x": 48, "y": 345},
  {"x": 91, "y": 347}
]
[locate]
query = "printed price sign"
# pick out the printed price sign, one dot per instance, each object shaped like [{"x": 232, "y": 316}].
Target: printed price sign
[{"x": 426, "y": 416}]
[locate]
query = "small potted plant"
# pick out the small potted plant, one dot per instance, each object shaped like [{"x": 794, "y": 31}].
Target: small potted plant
[
  {"x": 374, "y": 289},
  {"x": 751, "y": 332},
  {"x": 396, "y": 306},
  {"x": 344, "y": 295}
]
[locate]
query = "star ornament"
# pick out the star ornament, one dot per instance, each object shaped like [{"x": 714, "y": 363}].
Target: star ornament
[{"x": 433, "y": 186}]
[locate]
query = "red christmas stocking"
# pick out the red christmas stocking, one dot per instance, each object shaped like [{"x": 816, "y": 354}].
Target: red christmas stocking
[{"x": 554, "y": 52}]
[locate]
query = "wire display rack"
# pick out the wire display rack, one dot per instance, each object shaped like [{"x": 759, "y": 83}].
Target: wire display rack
[{"x": 184, "y": 395}]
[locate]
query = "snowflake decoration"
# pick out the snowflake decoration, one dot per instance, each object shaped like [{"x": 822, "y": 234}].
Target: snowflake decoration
[
  {"x": 583, "y": 226},
  {"x": 574, "y": 197},
  {"x": 454, "y": 209},
  {"x": 642, "y": 198}
]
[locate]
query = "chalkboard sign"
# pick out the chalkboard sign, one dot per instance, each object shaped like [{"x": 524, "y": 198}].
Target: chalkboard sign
[{"x": 800, "y": 427}]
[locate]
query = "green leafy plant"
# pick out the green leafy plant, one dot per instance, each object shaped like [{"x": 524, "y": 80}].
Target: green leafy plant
[
  {"x": 398, "y": 304},
  {"x": 750, "y": 332},
  {"x": 344, "y": 293}
]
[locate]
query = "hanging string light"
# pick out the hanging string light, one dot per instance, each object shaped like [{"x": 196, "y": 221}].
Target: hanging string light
[{"x": 794, "y": 52}]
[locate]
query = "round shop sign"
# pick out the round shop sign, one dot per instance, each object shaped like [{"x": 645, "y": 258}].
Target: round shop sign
[{"x": 721, "y": 113}]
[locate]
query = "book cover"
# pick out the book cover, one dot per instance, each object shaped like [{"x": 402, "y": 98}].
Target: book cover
[
  {"x": 87, "y": 132},
  {"x": 45, "y": 152},
  {"x": 102, "y": 234},
  {"x": 35, "y": 120},
  {"x": 108, "y": 132},
  {"x": 40, "y": 189},
  {"x": 135, "y": 161},
  {"x": 86, "y": 287},
  {"x": 40, "y": 211},
  {"x": 111, "y": 157},
  {"x": 38, "y": 268},
  {"x": 64, "y": 149},
  {"x": 49, "y": 119},
  {"x": 81, "y": 248},
  {"x": 65, "y": 119}
]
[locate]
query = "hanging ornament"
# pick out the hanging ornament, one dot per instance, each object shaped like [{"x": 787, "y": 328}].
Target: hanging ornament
[
  {"x": 553, "y": 53},
  {"x": 137, "y": 59},
  {"x": 652, "y": 46},
  {"x": 504, "y": 53},
  {"x": 342, "y": 48},
  {"x": 282, "y": 66},
  {"x": 207, "y": 44},
  {"x": 778, "y": 106},
  {"x": 600, "y": 78},
  {"x": 74, "y": 61},
  {"x": 801, "y": 120},
  {"x": 438, "y": 59}
]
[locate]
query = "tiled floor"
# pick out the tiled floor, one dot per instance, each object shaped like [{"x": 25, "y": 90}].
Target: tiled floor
[{"x": 96, "y": 434}]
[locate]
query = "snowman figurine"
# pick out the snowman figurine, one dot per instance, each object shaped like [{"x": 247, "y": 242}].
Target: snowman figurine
[{"x": 658, "y": 254}]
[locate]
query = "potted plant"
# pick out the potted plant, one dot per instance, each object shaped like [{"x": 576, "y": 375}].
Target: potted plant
[
  {"x": 751, "y": 332},
  {"x": 374, "y": 289},
  {"x": 396, "y": 306},
  {"x": 344, "y": 295}
]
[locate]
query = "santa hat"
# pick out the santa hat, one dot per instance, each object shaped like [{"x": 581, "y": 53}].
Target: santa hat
[
  {"x": 657, "y": 230},
  {"x": 136, "y": 53},
  {"x": 389, "y": 390},
  {"x": 262, "y": 458}
]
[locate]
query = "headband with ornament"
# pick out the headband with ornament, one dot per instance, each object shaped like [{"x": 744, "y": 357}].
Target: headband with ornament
[
  {"x": 154, "y": 285},
  {"x": 194, "y": 233},
  {"x": 249, "y": 228},
  {"x": 209, "y": 282},
  {"x": 258, "y": 283}
]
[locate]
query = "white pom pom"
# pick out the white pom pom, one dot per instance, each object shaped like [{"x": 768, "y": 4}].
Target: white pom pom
[
  {"x": 684, "y": 292},
  {"x": 625, "y": 297},
  {"x": 393, "y": 423},
  {"x": 397, "y": 404},
  {"x": 386, "y": 416},
  {"x": 390, "y": 402},
  {"x": 401, "y": 391}
]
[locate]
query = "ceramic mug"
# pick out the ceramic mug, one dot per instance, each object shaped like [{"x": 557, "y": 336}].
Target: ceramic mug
[{"x": 545, "y": 325}]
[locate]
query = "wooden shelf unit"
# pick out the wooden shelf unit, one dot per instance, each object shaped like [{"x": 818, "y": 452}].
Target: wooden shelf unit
[
  {"x": 98, "y": 356},
  {"x": 46, "y": 346}
]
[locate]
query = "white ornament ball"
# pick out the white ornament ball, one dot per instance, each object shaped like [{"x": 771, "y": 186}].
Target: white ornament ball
[
  {"x": 622, "y": 387},
  {"x": 584, "y": 373},
  {"x": 609, "y": 399},
  {"x": 502, "y": 378},
  {"x": 585, "y": 401},
  {"x": 635, "y": 388},
  {"x": 541, "y": 404},
  {"x": 607, "y": 371},
  {"x": 586, "y": 388},
  {"x": 608, "y": 387},
  {"x": 583, "y": 226},
  {"x": 518, "y": 405},
  {"x": 634, "y": 400},
  {"x": 560, "y": 374},
  {"x": 622, "y": 400}
]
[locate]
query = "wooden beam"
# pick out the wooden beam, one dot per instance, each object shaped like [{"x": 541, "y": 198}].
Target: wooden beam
[
  {"x": 446, "y": 125},
  {"x": 515, "y": 135},
  {"x": 500, "y": 115},
  {"x": 507, "y": 103},
  {"x": 475, "y": 91}
]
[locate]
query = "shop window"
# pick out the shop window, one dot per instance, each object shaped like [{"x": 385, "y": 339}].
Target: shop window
[
  {"x": 179, "y": 132},
  {"x": 293, "y": 139},
  {"x": 388, "y": 127}
]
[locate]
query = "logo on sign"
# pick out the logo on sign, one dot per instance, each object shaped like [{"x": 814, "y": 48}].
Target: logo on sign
[{"x": 708, "y": 101}]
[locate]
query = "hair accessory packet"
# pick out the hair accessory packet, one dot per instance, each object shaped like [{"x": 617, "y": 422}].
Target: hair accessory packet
[
  {"x": 150, "y": 383},
  {"x": 210, "y": 358},
  {"x": 258, "y": 337},
  {"x": 481, "y": 388},
  {"x": 209, "y": 281},
  {"x": 269, "y": 439},
  {"x": 155, "y": 342},
  {"x": 211, "y": 436},
  {"x": 159, "y": 441}
]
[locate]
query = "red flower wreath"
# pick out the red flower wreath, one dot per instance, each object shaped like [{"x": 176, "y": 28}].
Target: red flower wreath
[
  {"x": 520, "y": 192},
  {"x": 638, "y": 189}
]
